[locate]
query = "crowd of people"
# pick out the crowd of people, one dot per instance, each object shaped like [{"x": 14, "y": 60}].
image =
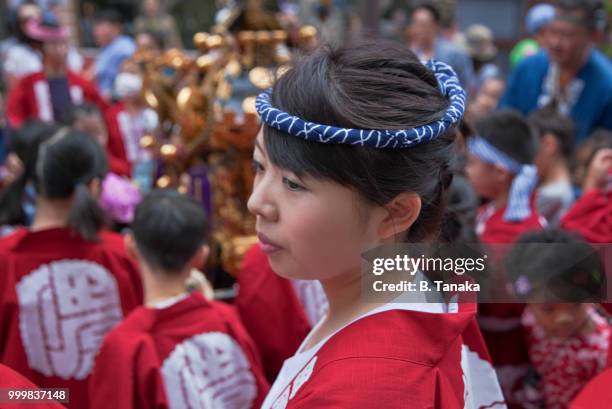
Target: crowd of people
[{"x": 419, "y": 137}]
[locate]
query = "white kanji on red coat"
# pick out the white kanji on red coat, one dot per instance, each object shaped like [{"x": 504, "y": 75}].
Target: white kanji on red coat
[
  {"x": 65, "y": 309},
  {"x": 208, "y": 370}
]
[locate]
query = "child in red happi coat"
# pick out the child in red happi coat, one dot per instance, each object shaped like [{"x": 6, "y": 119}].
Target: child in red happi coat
[
  {"x": 180, "y": 350},
  {"x": 64, "y": 281},
  {"x": 500, "y": 167},
  {"x": 559, "y": 275}
]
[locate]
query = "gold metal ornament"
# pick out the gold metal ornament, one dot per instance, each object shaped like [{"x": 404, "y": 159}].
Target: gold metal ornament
[{"x": 261, "y": 77}]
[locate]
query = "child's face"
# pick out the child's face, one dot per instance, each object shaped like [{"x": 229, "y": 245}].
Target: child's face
[
  {"x": 317, "y": 227},
  {"x": 486, "y": 179},
  {"x": 560, "y": 320}
]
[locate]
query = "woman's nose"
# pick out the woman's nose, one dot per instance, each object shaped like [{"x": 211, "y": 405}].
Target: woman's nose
[{"x": 261, "y": 202}]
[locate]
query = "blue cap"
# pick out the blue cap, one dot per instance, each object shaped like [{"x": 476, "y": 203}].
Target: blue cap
[{"x": 538, "y": 16}]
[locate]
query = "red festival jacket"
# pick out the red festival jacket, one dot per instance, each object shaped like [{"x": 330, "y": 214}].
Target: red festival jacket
[
  {"x": 30, "y": 98},
  {"x": 591, "y": 217},
  {"x": 59, "y": 296},
  {"x": 191, "y": 354},
  {"x": 12, "y": 380},
  {"x": 398, "y": 359}
]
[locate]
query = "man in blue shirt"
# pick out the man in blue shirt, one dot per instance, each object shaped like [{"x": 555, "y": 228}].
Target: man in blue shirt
[
  {"x": 571, "y": 75},
  {"x": 115, "y": 48}
]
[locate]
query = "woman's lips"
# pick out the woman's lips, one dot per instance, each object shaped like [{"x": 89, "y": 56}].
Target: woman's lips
[{"x": 267, "y": 245}]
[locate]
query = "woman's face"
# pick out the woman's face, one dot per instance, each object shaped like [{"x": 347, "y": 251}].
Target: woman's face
[{"x": 309, "y": 228}]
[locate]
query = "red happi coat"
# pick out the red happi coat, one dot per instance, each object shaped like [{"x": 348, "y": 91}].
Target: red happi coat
[
  {"x": 31, "y": 98},
  {"x": 272, "y": 311},
  {"x": 501, "y": 323},
  {"x": 59, "y": 295},
  {"x": 191, "y": 354},
  {"x": 597, "y": 394},
  {"x": 398, "y": 359},
  {"x": 591, "y": 217},
  {"x": 493, "y": 229},
  {"x": 115, "y": 118},
  {"x": 13, "y": 380}
]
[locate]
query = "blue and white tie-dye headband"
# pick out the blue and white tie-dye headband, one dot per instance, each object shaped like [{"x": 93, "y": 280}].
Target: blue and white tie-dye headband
[
  {"x": 293, "y": 125},
  {"x": 525, "y": 179}
]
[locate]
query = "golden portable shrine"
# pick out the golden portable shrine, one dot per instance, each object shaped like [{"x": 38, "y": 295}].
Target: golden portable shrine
[{"x": 206, "y": 108}]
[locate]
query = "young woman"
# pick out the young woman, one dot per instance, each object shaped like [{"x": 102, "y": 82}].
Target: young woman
[
  {"x": 64, "y": 282},
  {"x": 354, "y": 153}
]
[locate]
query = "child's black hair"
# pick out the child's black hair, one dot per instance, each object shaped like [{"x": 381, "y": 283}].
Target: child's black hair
[
  {"x": 25, "y": 143},
  {"x": 73, "y": 112},
  {"x": 67, "y": 162},
  {"x": 548, "y": 121},
  {"x": 168, "y": 228},
  {"x": 559, "y": 262},
  {"x": 509, "y": 132},
  {"x": 368, "y": 85}
]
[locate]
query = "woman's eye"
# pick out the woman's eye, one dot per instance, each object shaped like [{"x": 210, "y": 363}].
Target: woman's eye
[
  {"x": 257, "y": 167},
  {"x": 291, "y": 185}
]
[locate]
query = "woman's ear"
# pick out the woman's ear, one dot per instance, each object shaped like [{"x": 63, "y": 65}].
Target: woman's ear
[
  {"x": 198, "y": 261},
  {"x": 402, "y": 211}
]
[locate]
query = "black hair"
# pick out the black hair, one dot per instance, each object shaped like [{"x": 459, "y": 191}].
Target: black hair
[
  {"x": 594, "y": 13},
  {"x": 109, "y": 16},
  {"x": 508, "y": 131},
  {"x": 435, "y": 12},
  {"x": 67, "y": 163},
  {"x": 548, "y": 121},
  {"x": 369, "y": 85},
  {"x": 168, "y": 228},
  {"x": 25, "y": 143},
  {"x": 72, "y": 113},
  {"x": 559, "y": 261}
]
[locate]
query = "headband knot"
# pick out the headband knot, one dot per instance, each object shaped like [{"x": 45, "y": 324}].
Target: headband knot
[{"x": 448, "y": 84}]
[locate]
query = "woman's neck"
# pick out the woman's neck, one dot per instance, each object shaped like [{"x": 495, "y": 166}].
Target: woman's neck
[
  {"x": 343, "y": 293},
  {"x": 346, "y": 304},
  {"x": 51, "y": 213}
]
